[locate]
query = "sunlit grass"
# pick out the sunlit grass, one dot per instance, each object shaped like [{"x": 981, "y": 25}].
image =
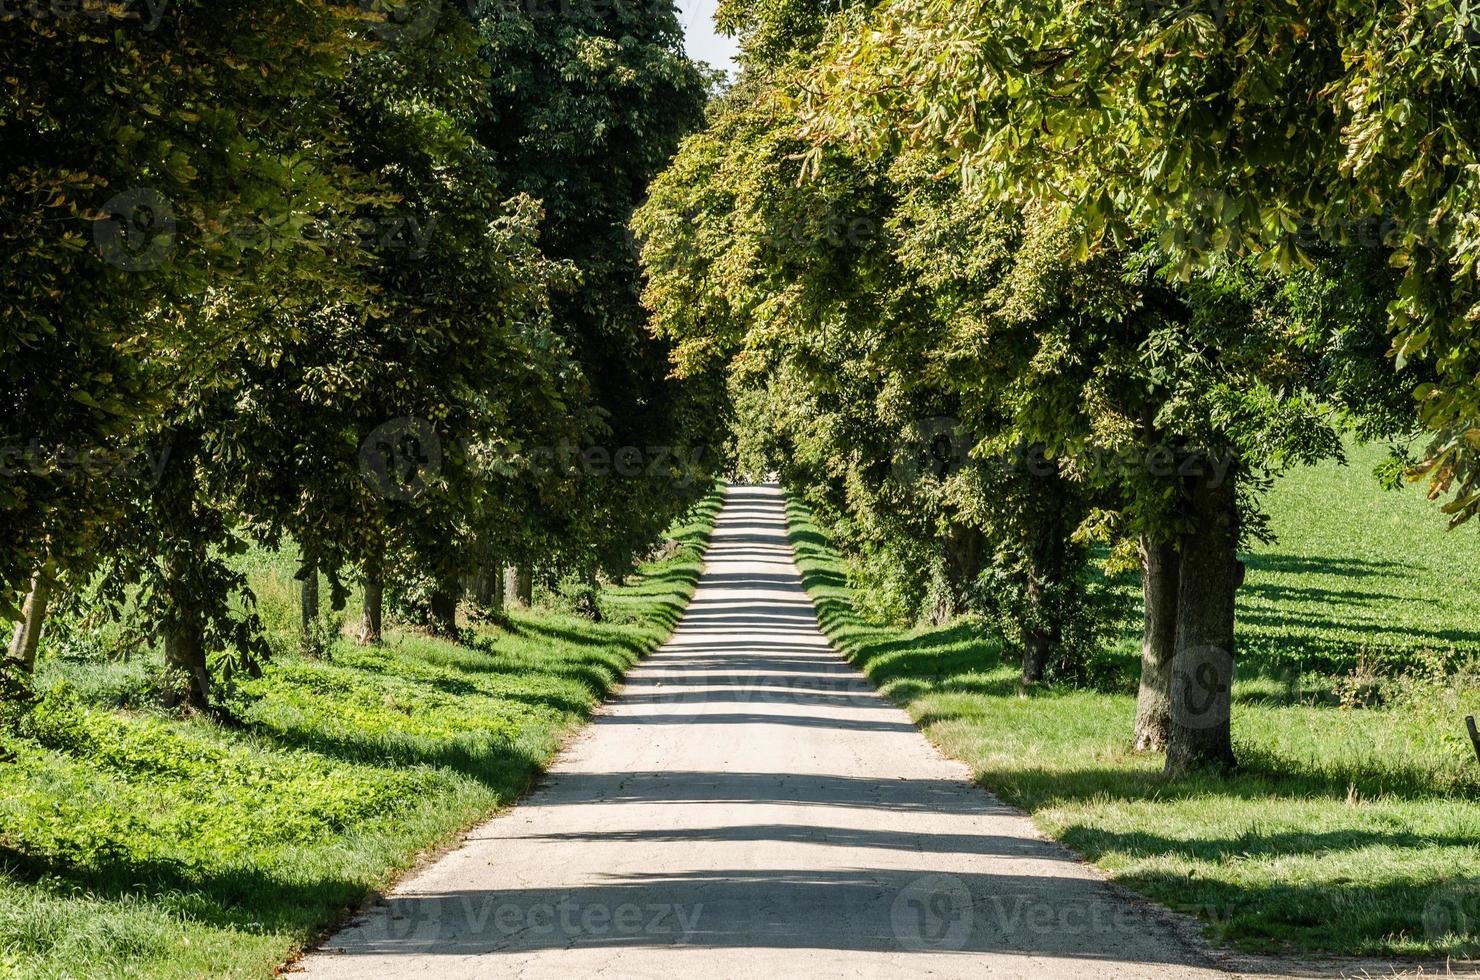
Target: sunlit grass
[
  {"x": 133, "y": 844},
  {"x": 1349, "y": 830}
]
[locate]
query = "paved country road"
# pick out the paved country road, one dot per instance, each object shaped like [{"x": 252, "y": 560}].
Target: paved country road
[{"x": 748, "y": 806}]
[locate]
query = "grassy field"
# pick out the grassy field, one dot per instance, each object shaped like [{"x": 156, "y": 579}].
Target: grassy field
[
  {"x": 1354, "y": 824},
  {"x": 133, "y": 844}
]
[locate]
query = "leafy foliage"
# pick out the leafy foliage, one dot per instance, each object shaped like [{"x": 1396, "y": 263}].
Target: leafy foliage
[
  {"x": 1219, "y": 131},
  {"x": 364, "y": 271}
]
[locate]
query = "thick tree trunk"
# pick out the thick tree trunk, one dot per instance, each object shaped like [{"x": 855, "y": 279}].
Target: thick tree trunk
[
  {"x": 487, "y": 587},
  {"x": 960, "y": 565},
  {"x": 444, "y": 606},
  {"x": 1202, "y": 669},
  {"x": 519, "y": 585},
  {"x": 184, "y": 645},
  {"x": 309, "y": 593},
  {"x": 1036, "y": 651},
  {"x": 1042, "y": 632},
  {"x": 942, "y": 610},
  {"x": 185, "y": 655},
  {"x": 27, "y": 636},
  {"x": 526, "y": 585},
  {"x": 373, "y": 609},
  {"x": 1160, "y": 582}
]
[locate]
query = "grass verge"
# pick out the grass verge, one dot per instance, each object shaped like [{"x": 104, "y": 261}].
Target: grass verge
[
  {"x": 1349, "y": 830},
  {"x": 133, "y": 844}
]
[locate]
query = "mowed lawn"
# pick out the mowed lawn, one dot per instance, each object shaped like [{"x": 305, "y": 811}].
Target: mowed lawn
[
  {"x": 133, "y": 844},
  {"x": 1354, "y": 825}
]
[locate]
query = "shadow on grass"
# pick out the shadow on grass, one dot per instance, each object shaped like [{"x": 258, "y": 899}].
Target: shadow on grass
[
  {"x": 239, "y": 898},
  {"x": 1343, "y": 914},
  {"x": 505, "y": 767},
  {"x": 1334, "y": 916},
  {"x": 302, "y": 889},
  {"x": 1435, "y": 638},
  {"x": 497, "y": 664},
  {"x": 1339, "y": 567}
]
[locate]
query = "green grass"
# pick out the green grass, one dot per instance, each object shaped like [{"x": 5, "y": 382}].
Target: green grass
[
  {"x": 1349, "y": 830},
  {"x": 134, "y": 844},
  {"x": 1358, "y": 569}
]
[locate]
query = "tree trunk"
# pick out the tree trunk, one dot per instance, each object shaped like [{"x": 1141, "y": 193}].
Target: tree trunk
[
  {"x": 27, "y": 636},
  {"x": 1201, "y": 736},
  {"x": 519, "y": 584},
  {"x": 1160, "y": 581},
  {"x": 1036, "y": 649},
  {"x": 184, "y": 645},
  {"x": 309, "y": 592},
  {"x": 370, "y": 620},
  {"x": 488, "y": 584},
  {"x": 444, "y": 606},
  {"x": 1042, "y": 632},
  {"x": 960, "y": 565},
  {"x": 526, "y": 585},
  {"x": 942, "y": 610},
  {"x": 590, "y": 599}
]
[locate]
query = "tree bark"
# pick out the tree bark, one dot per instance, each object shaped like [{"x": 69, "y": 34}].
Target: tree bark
[
  {"x": 960, "y": 565},
  {"x": 942, "y": 610},
  {"x": 309, "y": 593},
  {"x": 526, "y": 585},
  {"x": 372, "y": 615},
  {"x": 519, "y": 584},
  {"x": 1201, "y": 735},
  {"x": 444, "y": 606},
  {"x": 27, "y": 636},
  {"x": 1041, "y": 631},
  {"x": 591, "y": 603},
  {"x": 1036, "y": 650},
  {"x": 1160, "y": 582},
  {"x": 488, "y": 584},
  {"x": 184, "y": 644}
]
